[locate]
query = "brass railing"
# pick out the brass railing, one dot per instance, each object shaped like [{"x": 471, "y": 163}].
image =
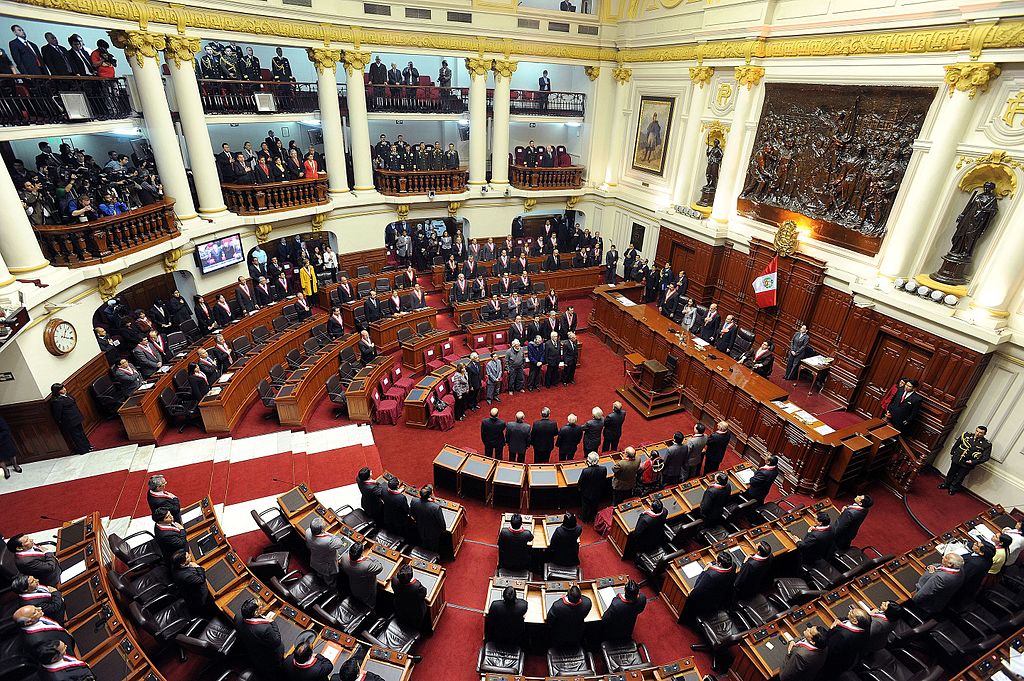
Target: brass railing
[
  {"x": 566, "y": 177},
  {"x": 399, "y": 182},
  {"x": 84, "y": 243},
  {"x": 254, "y": 199}
]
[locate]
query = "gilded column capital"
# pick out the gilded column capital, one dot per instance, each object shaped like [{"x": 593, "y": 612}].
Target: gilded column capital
[
  {"x": 181, "y": 49},
  {"x": 171, "y": 259},
  {"x": 592, "y": 72},
  {"x": 324, "y": 58},
  {"x": 701, "y": 75},
  {"x": 354, "y": 60},
  {"x": 970, "y": 77},
  {"x": 622, "y": 74},
  {"x": 505, "y": 67},
  {"x": 749, "y": 75},
  {"x": 139, "y": 45},
  {"x": 477, "y": 66}
]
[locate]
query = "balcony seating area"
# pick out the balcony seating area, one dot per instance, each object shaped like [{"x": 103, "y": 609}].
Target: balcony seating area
[
  {"x": 257, "y": 96},
  {"x": 258, "y": 199},
  {"x": 403, "y": 182},
  {"x": 552, "y": 171},
  {"x": 550, "y": 103},
  {"x": 42, "y": 100},
  {"x": 423, "y": 98}
]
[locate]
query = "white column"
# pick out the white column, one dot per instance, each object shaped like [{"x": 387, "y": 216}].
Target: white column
[
  {"x": 478, "y": 119},
  {"x": 906, "y": 239},
  {"x": 999, "y": 279},
  {"x": 326, "y": 63},
  {"x": 6, "y": 278},
  {"x": 700, "y": 78},
  {"x": 503, "y": 70},
  {"x": 18, "y": 244},
  {"x": 598, "y": 122},
  {"x": 362, "y": 167},
  {"x": 621, "y": 76},
  {"x": 180, "y": 55},
  {"x": 747, "y": 78},
  {"x": 141, "y": 49}
]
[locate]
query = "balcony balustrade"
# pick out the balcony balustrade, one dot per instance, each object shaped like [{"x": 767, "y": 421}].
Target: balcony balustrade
[
  {"x": 257, "y": 97},
  {"x": 565, "y": 177},
  {"x": 86, "y": 243},
  {"x": 41, "y": 100},
  {"x": 257, "y": 199},
  {"x": 417, "y": 99},
  {"x": 547, "y": 103},
  {"x": 405, "y": 182}
]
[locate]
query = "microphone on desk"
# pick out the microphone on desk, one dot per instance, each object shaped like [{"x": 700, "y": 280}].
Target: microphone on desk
[
  {"x": 46, "y": 517},
  {"x": 284, "y": 482}
]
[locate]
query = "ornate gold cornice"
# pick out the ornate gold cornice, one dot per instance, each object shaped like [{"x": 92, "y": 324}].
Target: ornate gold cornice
[
  {"x": 139, "y": 45},
  {"x": 171, "y": 259},
  {"x": 262, "y": 232},
  {"x": 477, "y": 66},
  {"x": 505, "y": 67},
  {"x": 622, "y": 74},
  {"x": 324, "y": 58},
  {"x": 453, "y": 208},
  {"x": 108, "y": 283},
  {"x": 749, "y": 75},
  {"x": 970, "y": 77},
  {"x": 529, "y": 204},
  {"x": 355, "y": 60},
  {"x": 402, "y": 210},
  {"x": 317, "y": 221},
  {"x": 701, "y": 75},
  {"x": 592, "y": 72},
  {"x": 181, "y": 49}
]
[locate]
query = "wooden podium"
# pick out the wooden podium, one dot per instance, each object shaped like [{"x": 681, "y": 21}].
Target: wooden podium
[{"x": 648, "y": 395}]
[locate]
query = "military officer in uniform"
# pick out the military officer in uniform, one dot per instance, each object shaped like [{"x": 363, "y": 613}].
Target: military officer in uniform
[
  {"x": 970, "y": 450},
  {"x": 281, "y": 68},
  {"x": 451, "y": 158},
  {"x": 209, "y": 64},
  {"x": 251, "y": 66}
]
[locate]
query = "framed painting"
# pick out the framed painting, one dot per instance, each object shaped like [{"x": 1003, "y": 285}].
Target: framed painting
[{"x": 654, "y": 125}]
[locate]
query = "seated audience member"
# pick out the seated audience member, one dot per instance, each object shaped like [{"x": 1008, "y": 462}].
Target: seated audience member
[
  {"x": 504, "y": 623},
  {"x": 819, "y": 542},
  {"x": 306, "y": 665},
  {"x": 805, "y": 657},
  {"x": 127, "y": 378},
  {"x": 58, "y": 664},
  {"x": 189, "y": 577},
  {"x": 564, "y": 545},
  {"x": 31, "y": 591},
  {"x": 169, "y": 534},
  {"x": 37, "y": 629},
  {"x": 713, "y": 589},
  {"x": 31, "y": 560},
  {"x": 937, "y": 586}
]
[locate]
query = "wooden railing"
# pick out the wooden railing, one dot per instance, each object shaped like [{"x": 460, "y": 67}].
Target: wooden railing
[
  {"x": 547, "y": 103},
  {"x": 86, "y": 243},
  {"x": 416, "y": 98},
  {"x": 399, "y": 182},
  {"x": 38, "y": 100},
  {"x": 257, "y": 96},
  {"x": 245, "y": 199},
  {"x": 567, "y": 177}
]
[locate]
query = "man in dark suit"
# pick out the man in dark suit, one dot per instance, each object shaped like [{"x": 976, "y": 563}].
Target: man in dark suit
[
  {"x": 570, "y": 357},
  {"x": 755, "y": 574},
  {"x": 669, "y": 306},
  {"x": 262, "y": 292},
  {"x": 475, "y": 381},
  {"x": 261, "y": 639},
  {"x": 157, "y": 497},
  {"x": 714, "y": 450},
  {"x": 553, "y": 263},
  {"x": 592, "y": 483},
  {"x": 847, "y": 639},
  {"x": 81, "y": 62},
  {"x": 552, "y": 360},
  {"x": 303, "y": 311},
  {"x": 611, "y": 262},
  {"x": 712, "y": 324},
  {"x": 31, "y": 591},
  {"x": 675, "y": 460},
  {"x": 727, "y": 335},
  {"x": 905, "y": 406},
  {"x": 190, "y": 579},
  {"x": 565, "y": 618},
  {"x": 715, "y": 497},
  {"x": 505, "y": 620},
  {"x": 371, "y": 308},
  {"x": 409, "y": 601},
  {"x": 371, "y": 494},
  {"x": 592, "y": 431},
  {"x": 37, "y": 629},
  {"x": 761, "y": 361},
  {"x": 713, "y": 589},
  {"x": 542, "y": 436},
  {"x": 306, "y": 665},
  {"x": 170, "y": 536},
  {"x": 492, "y": 433},
  {"x": 564, "y": 545},
  {"x": 396, "y": 508},
  {"x": 619, "y": 618},
  {"x": 362, "y": 574},
  {"x": 805, "y": 657},
  {"x": 695, "y": 451},
  {"x": 58, "y": 664},
  {"x": 849, "y": 521},
  {"x": 514, "y": 545},
  {"x": 25, "y": 54},
  {"x": 31, "y": 560},
  {"x": 335, "y": 325},
  {"x": 819, "y": 542},
  {"x": 429, "y": 518},
  {"x": 613, "y": 428},
  {"x": 763, "y": 479},
  {"x": 977, "y": 563},
  {"x": 69, "y": 419},
  {"x": 147, "y": 358},
  {"x": 798, "y": 345},
  {"x": 938, "y": 585},
  {"x": 650, "y": 529},
  {"x": 517, "y": 433},
  {"x": 517, "y": 331},
  {"x": 568, "y": 440}
]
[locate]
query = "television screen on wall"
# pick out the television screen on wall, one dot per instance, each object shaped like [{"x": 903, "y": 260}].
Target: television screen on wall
[{"x": 219, "y": 253}]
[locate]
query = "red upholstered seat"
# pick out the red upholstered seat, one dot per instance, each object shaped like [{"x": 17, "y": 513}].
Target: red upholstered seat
[
  {"x": 444, "y": 392},
  {"x": 500, "y": 340},
  {"x": 478, "y": 342},
  {"x": 385, "y": 411},
  {"x": 448, "y": 353},
  {"x": 432, "y": 360},
  {"x": 400, "y": 380},
  {"x": 441, "y": 420},
  {"x": 392, "y": 391}
]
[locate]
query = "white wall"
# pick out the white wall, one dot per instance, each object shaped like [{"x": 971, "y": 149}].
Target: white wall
[
  {"x": 96, "y": 145},
  {"x": 35, "y": 30},
  {"x": 236, "y": 135},
  {"x": 564, "y": 77}
]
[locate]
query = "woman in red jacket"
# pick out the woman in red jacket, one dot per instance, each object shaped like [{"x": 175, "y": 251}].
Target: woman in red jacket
[{"x": 311, "y": 167}]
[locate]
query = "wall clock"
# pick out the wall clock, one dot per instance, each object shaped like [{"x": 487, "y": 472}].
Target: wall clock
[{"x": 59, "y": 337}]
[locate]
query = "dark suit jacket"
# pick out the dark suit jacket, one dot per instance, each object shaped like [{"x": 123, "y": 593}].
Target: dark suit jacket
[
  {"x": 410, "y": 604},
  {"x": 650, "y": 531},
  {"x": 542, "y": 436},
  {"x": 754, "y": 576},
  {"x": 565, "y": 621},
  {"x": 593, "y": 480},
  {"x": 220, "y": 315},
  {"x": 492, "y": 431},
  {"x": 714, "y": 451},
  {"x": 846, "y": 526},
  {"x": 592, "y": 435},
  {"x": 936, "y": 589},
  {"x": 335, "y": 328},
  {"x": 761, "y": 483},
  {"x": 429, "y": 522},
  {"x": 725, "y": 340},
  {"x": 262, "y": 641},
  {"x": 714, "y": 500},
  {"x": 802, "y": 663},
  {"x": 45, "y": 568},
  {"x": 57, "y": 60},
  {"x": 319, "y": 669},
  {"x": 709, "y": 329},
  {"x": 505, "y": 625},
  {"x": 904, "y": 411},
  {"x": 552, "y": 353},
  {"x": 613, "y": 422},
  {"x": 396, "y": 510},
  {"x": 473, "y": 374},
  {"x": 564, "y": 546},
  {"x": 518, "y": 437},
  {"x": 619, "y": 619},
  {"x": 372, "y": 310},
  {"x": 514, "y": 548},
  {"x": 816, "y": 545},
  {"x": 27, "y": 57},
  {"x": 370, "y": 500},
  {"x": 712, "y": 590},
  {"x": 568, "y": 441}
]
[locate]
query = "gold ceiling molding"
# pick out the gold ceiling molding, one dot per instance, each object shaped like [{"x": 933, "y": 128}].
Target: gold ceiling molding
[
  {"x": 997, "y": 166},
  {"x": 971, "y": 39},
  {"x": 181, "y": 49},
  {"x": 749, "y": 75},
  {"x": 970, "y": 77},
  {"x": 354, "y": 60},
  {"x": 701, "y": 75},
  {"x": 139, "y": 45},
  {"x": 323, "y": 58}
]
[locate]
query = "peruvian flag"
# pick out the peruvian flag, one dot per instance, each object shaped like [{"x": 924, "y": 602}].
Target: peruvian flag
[{"x": 766, "y": 284}]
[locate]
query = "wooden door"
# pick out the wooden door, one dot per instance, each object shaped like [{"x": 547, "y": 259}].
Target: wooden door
[{"x": 891, "y": 360}]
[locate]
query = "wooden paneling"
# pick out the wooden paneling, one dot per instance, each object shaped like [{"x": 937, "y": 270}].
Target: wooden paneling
[{"x": 374, "y": 258}]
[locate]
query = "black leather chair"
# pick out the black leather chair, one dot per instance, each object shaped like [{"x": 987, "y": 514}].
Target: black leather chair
[
  {"x": 145, "y": 553},
  {"x": 742, "y": 344},
  {"x": 278, "y": 375},
  {"x": 16, "y": 660},
  {"x": 178, "y": 409},
  {"x": 214, "y": 637},
  {"x": 310, "y": 346},
  {"x": 362, "y": 287},
  {"x": 716, "y": 533},
  {"x": 176, "y": 342},
  {"x": 854, "y": 558},
  {"x": 570, "y": 661},
  {"x": 956, "y": 641},
  {"x": 347, "y": 355},
  {"x": 344, "y": 614},
  {"x": 721, "y": 632},
  {"x": 290, "y": 313},
  {"x": 420, "y": 553},
  {"x": 181, "y": 386},
  {"x": 241, "y": 345},
  {"x": 793, "y": 591},
  {"x": 624, "y": 656},
  {"x": 190, "y": 328},
  {"x": 143, "y": 584},
  {"x": 424, "y": 327},
  {"x": 268, "y": 397},
  {"x": 562, "y": 573},
  {"x": 294, "y": 358},
  {"x": 164, "y": 618},
  {"x": 466, "y": 318},
  {"x": 269, "y": 564},
  {"x": 321, "y": 336},
  {"x": 390, "y": 634},
  {"x": 698, "y": 319},
  {"x": 902, "y": 665},
  {"x": 506, "y": 573},
  {"x": 336, "y": 394},
  {"x": 773, "y": 510},
  {"x": 758, "y": 611},
  {"x": 260, "y": 335},
  {"x": 499, "y": 659},
  {"x": 108, "y": 397},
  {"x": 280, "y": 323},
  {"x": 404, "y": 334},
  {"x": 389, "y": 540},
  {"x": 356, "y": 518},
  {"x": 300, "y": 590},
  {"x": 362, "y": 270},
  {"x": 273, "y": 524}
]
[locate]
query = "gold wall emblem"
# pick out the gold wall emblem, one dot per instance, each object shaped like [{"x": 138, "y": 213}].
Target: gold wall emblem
[
  {"x": 1014, "y": 108},
  {"x": 723, "y": 95},
  {"x": 785, "y": 239}
]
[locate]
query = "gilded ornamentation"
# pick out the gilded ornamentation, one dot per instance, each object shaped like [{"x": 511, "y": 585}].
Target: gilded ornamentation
[
  {"x": 354, "y": 60},
  {"x": 139, "y": 45},
  {"x": 785, "y": 239},
  {"x": 996, "y": 167},
  {"x": 171, "y": 259},
  {"x": 1014, "y": 108},
  {"x": 970, "y": 77},
  {"x": 403, "y": 211},
  {"x": 701, "y": 75},
  {"x": 572, "y": 202},
  {"x": 317, "y": 221},
  {"x": 749, "y": 75},
  {"x": 107, "y": 285},
  {"x": 263, "y": 233},
  {"x": 324, "y": 58},
  {"x": 622, "y": 74},
  {"x": 716, "y": 130},
  {"x": 505, "y": 68},
  {"x": 477, "y": 66},
  {"x": 723, "y": 95},
  {"x": 592, "y": 72},
  {"x": 181, "y": 49},
  {"x": 529, "y": 204},
  {"x": 453, "y": 208}
]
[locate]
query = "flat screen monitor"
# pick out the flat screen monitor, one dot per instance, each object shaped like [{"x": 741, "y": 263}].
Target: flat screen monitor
[{"x": 219, "y": 253}]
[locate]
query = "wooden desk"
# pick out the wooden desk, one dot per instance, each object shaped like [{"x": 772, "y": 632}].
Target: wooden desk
[
  {"x": 446, "y": 467},
  {"x": 415, "y": 406},
  {"x": 816, "y": 371},
  {"x": 568, "y": 281},
  {"x": 719, "y": 388},
  {"x": 359, "y": 392},
  {"x": 475, "y": 476},
  {"x": 413, "y": 349},
  {"x": 302, "y": 392},
  {"x": 221, "y": 412},
  {"x": 454, "y": 519},
  {"x": 384, "y": 333}
]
